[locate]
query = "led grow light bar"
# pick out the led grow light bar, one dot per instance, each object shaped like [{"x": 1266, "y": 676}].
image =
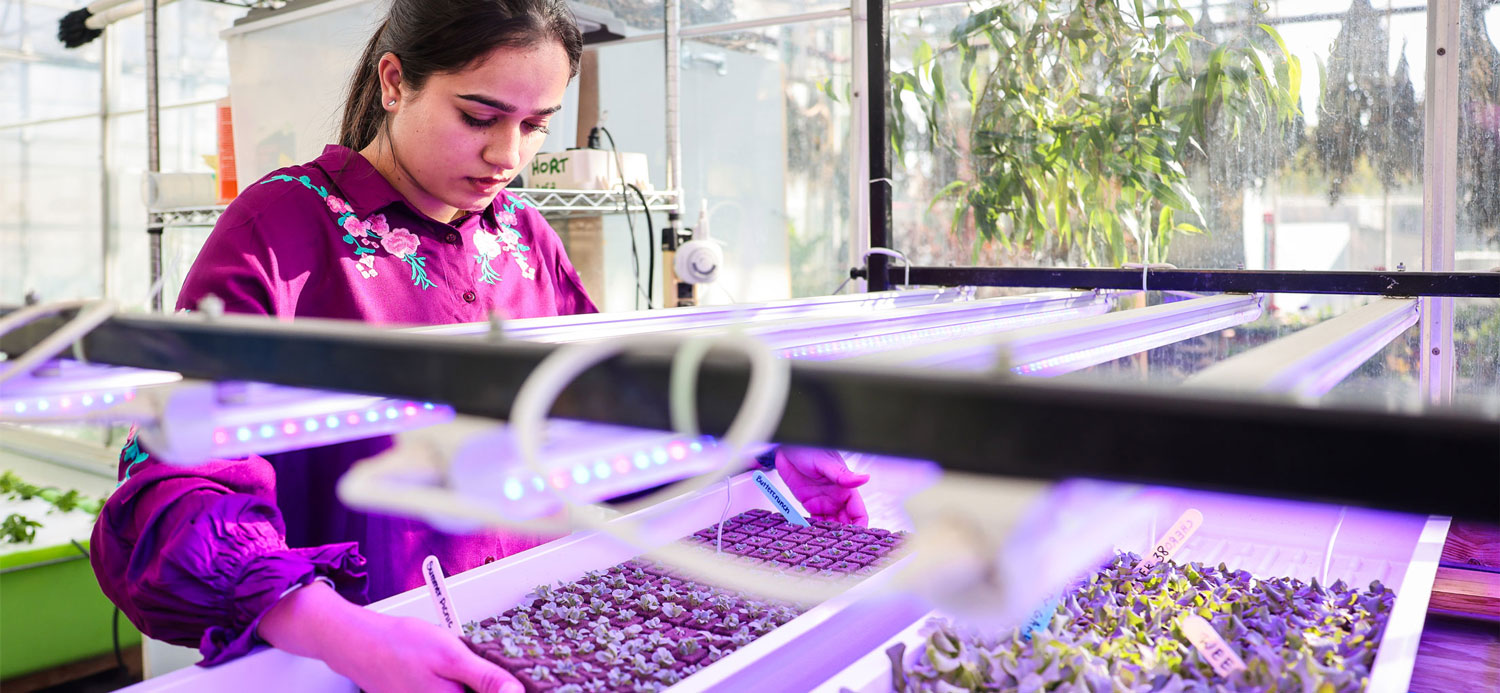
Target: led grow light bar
[
  {"x": 587, "y": 461},
  {"x": 1058, "y": 348},
  {"x": 1310, "y": 362},
  {"x": 826, "y": 340},
  {"x": 569, "y": 328},
  {"x": 64, "y": 388},
  {"x": 203, "y": 421}
]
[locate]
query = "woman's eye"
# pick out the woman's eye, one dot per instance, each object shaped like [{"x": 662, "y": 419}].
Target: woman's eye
[{"x": 475, "y": 122}]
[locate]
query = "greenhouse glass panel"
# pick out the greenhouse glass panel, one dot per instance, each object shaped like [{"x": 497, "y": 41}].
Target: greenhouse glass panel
[
  {"x": 1217, "y": 134},
  {"x": 1478, "y": 233}
]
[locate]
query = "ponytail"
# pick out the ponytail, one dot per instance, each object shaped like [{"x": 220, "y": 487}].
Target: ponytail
[{"x": 363, "y": 114}]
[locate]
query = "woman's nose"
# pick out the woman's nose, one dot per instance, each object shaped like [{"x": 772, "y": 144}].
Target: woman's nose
[{"x": 503, "y": 151}]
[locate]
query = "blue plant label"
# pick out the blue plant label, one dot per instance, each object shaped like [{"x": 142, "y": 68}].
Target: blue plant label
[
  {"x": 432, "y": 572},
  {"x": 778, "y": 500},
  {"x": 1040, "y": 619}
]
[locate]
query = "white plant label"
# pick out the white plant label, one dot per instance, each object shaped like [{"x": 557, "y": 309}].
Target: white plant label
[
  {"x": 779, "y": 501},
  {"x": 1170, "y": 542},
  {"x": 432, "y": 572},
  {"x": 1210, "y": 645}
]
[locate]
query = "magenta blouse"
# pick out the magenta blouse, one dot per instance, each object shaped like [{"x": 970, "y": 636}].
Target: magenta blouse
[{"x": 197, "y": 555}]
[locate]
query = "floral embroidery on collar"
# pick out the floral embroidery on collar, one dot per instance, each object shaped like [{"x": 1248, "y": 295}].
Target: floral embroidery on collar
[
  {"x": 507, "y": 241},
  {"x": 369, "y": 235}
]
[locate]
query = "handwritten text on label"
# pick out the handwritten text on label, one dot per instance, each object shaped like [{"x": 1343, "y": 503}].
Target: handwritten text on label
[
  {"x": 432, "y": 572},
  {"x": 1171, "y": 541},
  {"x": 1210, "y": 646}
]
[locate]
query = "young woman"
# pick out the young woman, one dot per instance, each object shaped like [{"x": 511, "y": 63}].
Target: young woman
[{"x": 405, "y": 221}]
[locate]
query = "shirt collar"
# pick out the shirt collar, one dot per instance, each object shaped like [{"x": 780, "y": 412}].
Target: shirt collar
[
  {"x": 362, "y": 186},
  {"x": 368, "y": 192}
]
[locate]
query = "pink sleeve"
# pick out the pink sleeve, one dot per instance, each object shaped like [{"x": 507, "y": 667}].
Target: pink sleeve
[{"x": 197, "y": 555}]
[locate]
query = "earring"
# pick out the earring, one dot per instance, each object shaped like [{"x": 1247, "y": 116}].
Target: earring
[{"x": 392, "y": 102}]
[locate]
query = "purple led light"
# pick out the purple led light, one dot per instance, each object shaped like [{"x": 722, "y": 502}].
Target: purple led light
[
  {"x": 945, "y": 326},
  {"x": 1090, "y": 356}
]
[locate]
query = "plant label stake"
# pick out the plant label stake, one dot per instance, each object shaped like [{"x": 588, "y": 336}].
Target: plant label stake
[
  {"x": 432, "y": 572},
  {"x": 1210, "y": 645},
  {"x": 1170, "y": 542},
  {"x": 779, "y": 501}
]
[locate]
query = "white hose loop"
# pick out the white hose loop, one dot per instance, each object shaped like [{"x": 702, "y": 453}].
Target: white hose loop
[
  {"x": 683, "y": 402},
  {"x": 757, "y": 419},
  {"x": 890, "y": 253},
  {"x": 759, "y": 413}
]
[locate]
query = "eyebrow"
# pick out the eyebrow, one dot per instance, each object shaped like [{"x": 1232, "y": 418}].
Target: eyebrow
[{"x": 505, "y": 107}]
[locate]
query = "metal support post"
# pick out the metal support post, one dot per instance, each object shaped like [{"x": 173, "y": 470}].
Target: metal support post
[
  {"x": 1440, "y": 194},
  {"x": 877, "y": 100},
  {"x": 859, "y": 136},
  {"x": 673, "y": 294},
  {"x": 153, "y": 143}
]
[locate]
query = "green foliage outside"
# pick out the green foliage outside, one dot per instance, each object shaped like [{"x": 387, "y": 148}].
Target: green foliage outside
[{"x": 1082, "y": 119}]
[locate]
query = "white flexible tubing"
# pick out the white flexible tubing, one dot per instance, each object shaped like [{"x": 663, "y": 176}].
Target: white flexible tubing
[
  {"x": 877, "y": 250},
  {"x": 759, "y": 414},
  {"x": 90, "y": 315}
]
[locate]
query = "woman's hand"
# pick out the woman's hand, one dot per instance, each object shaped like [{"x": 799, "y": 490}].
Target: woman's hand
[
  {"x": 381, "y": 654},
  {"x": 823, "y": 483}
]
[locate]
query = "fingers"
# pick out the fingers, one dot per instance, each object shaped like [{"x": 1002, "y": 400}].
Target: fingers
[
  {"x": 481, "y": 675},
  {"x": 837, "y": 472},
  {"x": 854, "y": 510}
]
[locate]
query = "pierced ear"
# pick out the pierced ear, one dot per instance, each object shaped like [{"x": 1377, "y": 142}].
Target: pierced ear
[{"x": 389, "y": 71}]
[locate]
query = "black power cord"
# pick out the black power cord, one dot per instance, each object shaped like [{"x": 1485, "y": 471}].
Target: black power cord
[
  {"x": 115, "y": 626},
  {"x": 651, "y": 235},
  {"x": 635, "y": 255}
]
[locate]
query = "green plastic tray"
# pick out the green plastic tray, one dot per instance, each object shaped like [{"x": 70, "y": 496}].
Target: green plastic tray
[{"x": 52, "y": 611}]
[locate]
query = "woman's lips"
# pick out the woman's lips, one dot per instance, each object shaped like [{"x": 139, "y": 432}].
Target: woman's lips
[{"x": 488, "y": 185}]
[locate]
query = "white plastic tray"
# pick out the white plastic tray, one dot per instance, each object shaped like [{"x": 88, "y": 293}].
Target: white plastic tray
[
  {"x": 803, "y": 651},
  {"x": 1268, "y": 538}
]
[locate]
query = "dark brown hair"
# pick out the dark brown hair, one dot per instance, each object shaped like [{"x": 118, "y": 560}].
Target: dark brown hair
[{"x": 445, "y": 36}]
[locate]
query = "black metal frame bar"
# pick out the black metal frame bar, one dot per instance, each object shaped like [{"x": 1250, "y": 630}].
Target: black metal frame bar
[
  {"x": 878, "y": 97},
  {"x": 1458, "y": 284},
  {"x": 1441, "y": 462}
]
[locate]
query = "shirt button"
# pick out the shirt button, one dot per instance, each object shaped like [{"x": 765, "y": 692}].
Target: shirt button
[
  {"x": 489, "y": 559},
  {"x": 451, "y": 237},
  {"x": 469, "y": 296}
]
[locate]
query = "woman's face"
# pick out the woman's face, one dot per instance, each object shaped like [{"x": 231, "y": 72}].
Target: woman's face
[{"x": 465, "y": 135}]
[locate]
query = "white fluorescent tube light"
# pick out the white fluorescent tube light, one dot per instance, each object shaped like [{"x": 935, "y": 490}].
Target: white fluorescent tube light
[
  {"x": 1310, "y": 362},
  {"x": 1062, "y": 347}
]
